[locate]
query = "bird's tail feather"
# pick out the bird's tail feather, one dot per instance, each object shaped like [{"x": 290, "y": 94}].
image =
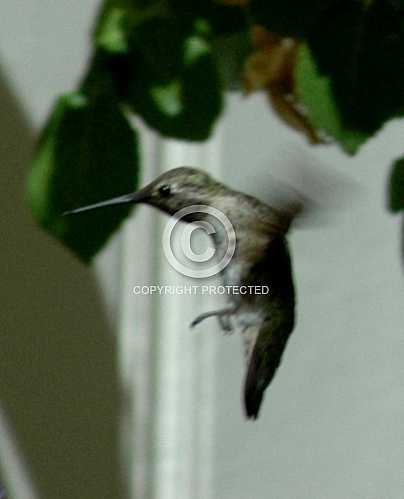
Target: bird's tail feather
[
  {"x": 264, "y": 362},
  {"x": 253, "y": 395}
]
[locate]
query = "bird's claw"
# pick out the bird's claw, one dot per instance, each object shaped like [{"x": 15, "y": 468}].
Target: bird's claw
[
  {"x": 196, "y": 321},
  {"x": 223, "y": 318}
]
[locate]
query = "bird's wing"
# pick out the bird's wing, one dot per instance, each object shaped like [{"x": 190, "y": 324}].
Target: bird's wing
[{"x": 264, "y": 359}]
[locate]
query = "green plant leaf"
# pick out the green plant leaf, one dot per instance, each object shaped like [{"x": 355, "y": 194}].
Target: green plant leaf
[
  {"x": 287, "y": 17},
  {"x": 174, "y": 83},
  {"x": 117, "y": 20},
  {"x": 402, "y": 238},
  {"x": 87, "y": 153},
  {"x": 395, "y": 197},
  {"x": 315, "y": 92},
  {"x": 111, "y": 35},
  {"x": 230, "y": 52},
  {"x": 223, "y": 19},
  {"x": 397, "y": 4},
  {"x": 360, "y": 46},
  {"x": 396, "y": 187}
]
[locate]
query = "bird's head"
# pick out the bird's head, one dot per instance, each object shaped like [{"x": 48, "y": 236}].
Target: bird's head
[{"x": 176, "y": 189}]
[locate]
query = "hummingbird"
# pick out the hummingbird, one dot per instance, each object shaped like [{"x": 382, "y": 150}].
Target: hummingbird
[{"x": 261, "y": 258}]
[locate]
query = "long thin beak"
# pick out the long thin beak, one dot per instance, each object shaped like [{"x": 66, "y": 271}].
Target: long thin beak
[{"x": 132, "y": 198}]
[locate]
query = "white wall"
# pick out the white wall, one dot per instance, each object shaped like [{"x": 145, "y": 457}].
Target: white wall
[{"x": 332, "y": 422}]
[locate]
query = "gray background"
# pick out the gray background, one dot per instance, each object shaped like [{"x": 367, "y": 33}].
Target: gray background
[{"x": 332, "y": 422}]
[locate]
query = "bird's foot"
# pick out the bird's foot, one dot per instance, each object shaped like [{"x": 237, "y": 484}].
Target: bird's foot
[
  {"x": 223, "y": 316},
  {"x": 199, "y": 319}
]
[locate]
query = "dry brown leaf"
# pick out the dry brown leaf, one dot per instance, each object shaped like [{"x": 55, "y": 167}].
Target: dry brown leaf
[{"x": 271, "y": 68}]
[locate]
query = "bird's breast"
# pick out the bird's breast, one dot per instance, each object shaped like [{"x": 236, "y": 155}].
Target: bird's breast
[{"x": 232, "y": 274}]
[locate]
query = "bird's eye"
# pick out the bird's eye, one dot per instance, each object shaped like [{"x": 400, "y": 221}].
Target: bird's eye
[{"x": 165, "y": 190}]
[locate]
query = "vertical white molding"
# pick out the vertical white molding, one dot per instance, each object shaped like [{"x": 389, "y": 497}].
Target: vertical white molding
[
  {"x": 185, "y": 376},
  {"x": 204, "y": 361},
  {"x": 136, "y": 332},
  {"x": 167, "y": 370},
  {"x": 18, "y": 482}
]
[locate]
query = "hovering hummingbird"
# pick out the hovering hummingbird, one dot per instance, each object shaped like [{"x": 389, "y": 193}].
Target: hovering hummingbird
[{"x": 261, "y": 258}]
